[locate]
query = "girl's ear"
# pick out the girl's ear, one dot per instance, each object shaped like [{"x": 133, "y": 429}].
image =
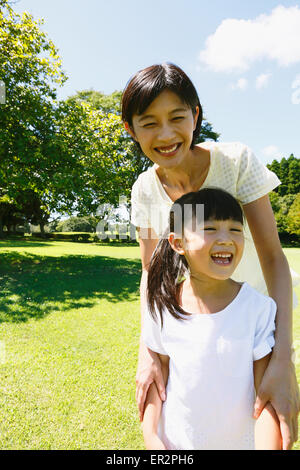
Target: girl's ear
[
  {"x": 129, "y": 130},
  {"x": 176, "y": 243}
]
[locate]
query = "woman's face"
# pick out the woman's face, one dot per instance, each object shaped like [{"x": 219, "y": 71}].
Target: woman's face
[{"x": 165, "y": 130}]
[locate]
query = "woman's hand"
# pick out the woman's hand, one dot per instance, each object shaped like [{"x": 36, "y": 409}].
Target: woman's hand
[
  {"x": 153, "y": 442},
  {"x": 279, "y": 386},
  {"x": 149, "y": 370}
]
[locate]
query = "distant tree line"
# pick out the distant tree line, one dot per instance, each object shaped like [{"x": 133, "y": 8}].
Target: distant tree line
[{"x": 285, "y": 199}]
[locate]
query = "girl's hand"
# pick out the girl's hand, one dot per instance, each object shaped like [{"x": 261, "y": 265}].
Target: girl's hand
[
  {"x": 149, "y": 370},
  {"x": 279, "y": 386}
]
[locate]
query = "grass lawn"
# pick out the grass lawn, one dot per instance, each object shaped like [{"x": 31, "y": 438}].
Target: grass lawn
[{"x": 69, "y": 336}]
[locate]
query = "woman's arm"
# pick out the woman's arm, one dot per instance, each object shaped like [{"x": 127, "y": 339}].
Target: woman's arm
[
  {"x": 152, "y": 412},
  {"x": 267, "y": 426},
  {"x": 279, "y": 383},
  {"x": 149, "y": 366}
]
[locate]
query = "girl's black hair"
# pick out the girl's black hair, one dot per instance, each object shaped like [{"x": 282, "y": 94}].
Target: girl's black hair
[
  {"x": 166, "y": 265},
  {"x": 148, "y": 83}
]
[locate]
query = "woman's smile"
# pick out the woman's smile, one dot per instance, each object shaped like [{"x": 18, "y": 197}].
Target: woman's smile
[{"x": 169, "y": 150}]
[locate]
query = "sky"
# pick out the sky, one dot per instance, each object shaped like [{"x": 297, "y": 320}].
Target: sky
[{"x": 242, "y": 56}]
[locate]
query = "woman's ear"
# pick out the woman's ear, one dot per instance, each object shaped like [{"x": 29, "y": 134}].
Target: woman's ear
[
  {"x": 176, "y": 243},
  {"x": 196, "y": 115},
  {"x": 129, "y": 129}
]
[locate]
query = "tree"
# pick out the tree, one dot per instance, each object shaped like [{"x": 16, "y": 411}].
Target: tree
[
  {"x": 78, "y": 224},
  {"x": 30, "y": 69},
  {"x": 281, "y": 206},
  {"x": 68, "y": 156},
  {"x": 293, "y": 179},
  {"x": 288, "y": 171},
  {"x": 293, "y": 217},
  {"x": 98, "y": 100}
]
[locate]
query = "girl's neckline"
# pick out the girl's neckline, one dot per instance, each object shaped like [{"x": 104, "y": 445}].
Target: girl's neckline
[
  {"x": 159, "y": 183},
  {"x": 220, "y": 312}
]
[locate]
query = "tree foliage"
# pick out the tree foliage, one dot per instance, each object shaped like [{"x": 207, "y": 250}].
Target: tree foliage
[
  {"x": 77, "y": 224},
  {"x": 57, "y": 156},
  {"x": 288, "y": 171},
  {"x": 31, "y": 70},
  {"x": 293, "y": 217}
]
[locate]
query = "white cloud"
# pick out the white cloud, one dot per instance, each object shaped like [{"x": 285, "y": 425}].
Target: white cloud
[
  {"x": 241, "y": 84},
  {"x": 271, "y": 151},
  {"x": 236, "y": 44},
  {"x": 262, "y": 80}
]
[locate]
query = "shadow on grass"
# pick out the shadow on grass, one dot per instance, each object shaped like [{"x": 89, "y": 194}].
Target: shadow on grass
[
  {"x": 33, "y": 286},
  {"x": 19, "y": 243}
]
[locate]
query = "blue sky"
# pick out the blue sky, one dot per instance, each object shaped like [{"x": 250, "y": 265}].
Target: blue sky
[{"x": 243, "y": 57}]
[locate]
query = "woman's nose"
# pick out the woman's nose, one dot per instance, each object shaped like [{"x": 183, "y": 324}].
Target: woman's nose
[{"x": 165, "y": 133}]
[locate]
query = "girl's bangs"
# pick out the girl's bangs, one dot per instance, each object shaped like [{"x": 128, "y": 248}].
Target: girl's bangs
[{"x": 223, "y": 210}]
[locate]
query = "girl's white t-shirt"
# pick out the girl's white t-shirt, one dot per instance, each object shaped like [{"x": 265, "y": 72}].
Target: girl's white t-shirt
[
  {"x": 234, "y": 168},
  {"x": 210, "y": 389}
]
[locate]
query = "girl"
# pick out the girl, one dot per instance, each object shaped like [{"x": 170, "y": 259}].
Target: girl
[
  {"x": 162, "y": 113},
  {"x": 210, "y": 327}
]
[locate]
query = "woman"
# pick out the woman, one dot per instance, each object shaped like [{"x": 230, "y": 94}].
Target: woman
[{"x": 162, "y": 113}]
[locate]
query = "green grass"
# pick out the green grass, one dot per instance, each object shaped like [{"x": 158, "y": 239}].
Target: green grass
[
  {"x": 70, "y": 327},
  {"x": 69, "y": 337}
]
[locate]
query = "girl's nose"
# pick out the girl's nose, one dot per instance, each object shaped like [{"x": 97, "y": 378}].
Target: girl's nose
[
  {"x": 225, "y": 242},
  {"x": 224, "y": 239}
]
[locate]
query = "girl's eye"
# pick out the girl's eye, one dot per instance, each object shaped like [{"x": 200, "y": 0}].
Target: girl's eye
[
  {"x": 150, "y": 124},
  {"x": 209, "y": 228},
  {"x": 178, "y": 118},
  {"x": 236, "y": 230}
]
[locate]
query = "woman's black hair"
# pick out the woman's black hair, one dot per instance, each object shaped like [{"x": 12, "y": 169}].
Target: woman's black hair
[
  {"x": 148, "y": 83},
  {"x": 166, "y": 265}
]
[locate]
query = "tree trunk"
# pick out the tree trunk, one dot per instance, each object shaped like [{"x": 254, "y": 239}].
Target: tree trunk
[
  {"x": 42, "y": 225},
  {"x": 1, "y": 227}
]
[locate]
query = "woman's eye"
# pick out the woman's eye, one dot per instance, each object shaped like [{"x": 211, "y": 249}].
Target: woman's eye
[
  {"x": 150, "y": 124},
  {"x": 236, "y": 230},
  {"x": 177, "y": 118},
  {"x": 209, "y": 228}
]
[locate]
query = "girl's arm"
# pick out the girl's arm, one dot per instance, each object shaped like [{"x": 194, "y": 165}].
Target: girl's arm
[
  {"x": 152, "y": 411},
  {"x": 267, "y": 426},
  {"x": 149, "y": 365},
  {"x": 279, "y": 384}
]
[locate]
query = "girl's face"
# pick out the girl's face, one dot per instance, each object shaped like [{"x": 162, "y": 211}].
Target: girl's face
[
  {"x": 213, "y": 250},
  {"x": 165, "y": 130}
]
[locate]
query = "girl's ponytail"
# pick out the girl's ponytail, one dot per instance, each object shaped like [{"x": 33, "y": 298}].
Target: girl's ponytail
[{"x": 165, "y": 270}]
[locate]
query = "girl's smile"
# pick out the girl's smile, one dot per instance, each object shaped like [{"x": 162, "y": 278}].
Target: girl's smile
[
  {"x": 213, "y": 250},
  {"x": 222, "y": 258},
  {"x": 216, "y": 250}
]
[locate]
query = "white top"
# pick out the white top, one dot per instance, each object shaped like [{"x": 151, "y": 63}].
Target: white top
[
  {"x": 210, "y": 390},
  {"x": 234, "y": 168}
]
